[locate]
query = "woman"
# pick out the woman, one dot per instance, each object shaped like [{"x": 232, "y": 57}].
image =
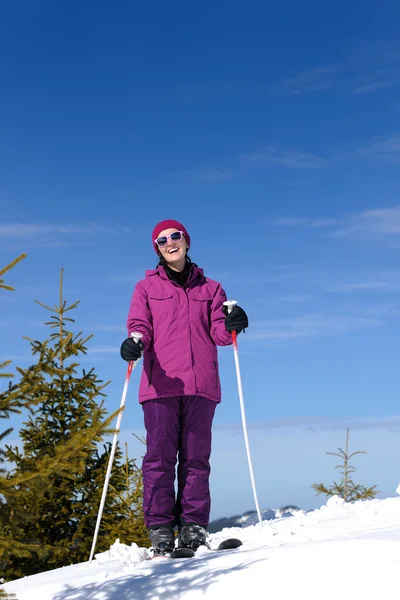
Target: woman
[{"x": 182, "y": 319}]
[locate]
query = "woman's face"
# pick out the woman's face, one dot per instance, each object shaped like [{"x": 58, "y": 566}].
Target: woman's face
[{"x": 172, "y": 250}]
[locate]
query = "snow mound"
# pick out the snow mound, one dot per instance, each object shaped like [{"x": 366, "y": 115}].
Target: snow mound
[
  {"x": 357, "y": 543},
  {"x": 125, "y": 555}
]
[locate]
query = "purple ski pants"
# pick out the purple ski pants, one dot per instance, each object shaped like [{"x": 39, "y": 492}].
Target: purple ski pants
[{"x": 178, "y": 427}]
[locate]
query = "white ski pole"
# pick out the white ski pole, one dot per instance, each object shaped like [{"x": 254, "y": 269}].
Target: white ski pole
[
  {"x": 230, "y": 304},
  {"x": 131, "y": 365}
]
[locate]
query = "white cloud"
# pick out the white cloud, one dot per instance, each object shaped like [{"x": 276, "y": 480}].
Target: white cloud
[
  {"x": 379, "y": 222},
  {"x": 292, "y": 298},
  {"x": 361, "y": 74},
  {"x": 304, "y": 222},
  {"x": 55, "y": 244},
  {"x": 377, "y": 80},
  {"x": 206, "y": 174},
  {"x": 290, "y": 159},
  {"x": 385, "y": 150},
  {"x": 103, "y": 350},
  {"x": 28, "y": 230},
  {"x": 128, "y": 277},
  {"x": 317, "y": 423},
  {"x": 14, "y": 230},
  {"x": 107, "y": 328},
  {"x": 310, "y": 326},
  {"x": 17, "y": 357},
  {"x": 368, "y": 286},
  {"x": 312, "y": 80},
  {"x": 200, "y": 90}
]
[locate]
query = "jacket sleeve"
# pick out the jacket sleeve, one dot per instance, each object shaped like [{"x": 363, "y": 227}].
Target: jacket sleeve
[
  {"x": 139, "y": 316},
  {"x": 218, "y": 332}
]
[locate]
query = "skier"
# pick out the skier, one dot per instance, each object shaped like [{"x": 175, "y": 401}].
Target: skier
[{"x": 182, "y": 319}]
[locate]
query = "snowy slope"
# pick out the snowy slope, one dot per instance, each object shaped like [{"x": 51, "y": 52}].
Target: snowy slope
[{"x": 341, "y": 551}]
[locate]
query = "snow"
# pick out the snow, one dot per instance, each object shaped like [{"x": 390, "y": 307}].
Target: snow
[{"x": 338, "y": 551}]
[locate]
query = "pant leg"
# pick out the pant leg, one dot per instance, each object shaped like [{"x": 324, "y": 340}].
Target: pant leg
[
  {"x": 194, "y": 502},
  {"x": 161, "y": 419}
]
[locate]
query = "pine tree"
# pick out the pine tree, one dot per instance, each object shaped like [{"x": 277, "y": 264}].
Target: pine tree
[
  {"x": 6, "y": 408},
  {"x": 346, "y": 489},
  {"x": 60, "y": 471}
]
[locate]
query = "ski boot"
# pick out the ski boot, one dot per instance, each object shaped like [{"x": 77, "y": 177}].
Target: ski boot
[
  {"x": 162, "y": 540},
  {"x": 192, "y": 536}
]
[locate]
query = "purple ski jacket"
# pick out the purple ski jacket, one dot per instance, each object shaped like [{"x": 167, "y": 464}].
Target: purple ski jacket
[{"x": 181, "y": 329}]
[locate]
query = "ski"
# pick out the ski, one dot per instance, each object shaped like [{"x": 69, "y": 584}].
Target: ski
[
  {"x": 177, "y": 553},
  {"x": 182, "y": 553},
  {"x": 228, "y": 544}
]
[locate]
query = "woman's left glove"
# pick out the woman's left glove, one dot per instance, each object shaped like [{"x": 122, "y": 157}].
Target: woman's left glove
[
  {"x": 131, "y": 350},
  {"x": 236, "y": 320}
]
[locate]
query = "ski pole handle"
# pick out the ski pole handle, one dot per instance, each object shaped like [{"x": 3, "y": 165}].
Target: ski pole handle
[
  {"x": 136, "y": 335},
  {"x": 132, "y": 364},
  {"x": 230, "y": 304}
]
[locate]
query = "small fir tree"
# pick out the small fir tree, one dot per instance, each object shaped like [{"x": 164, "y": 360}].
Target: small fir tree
[
  {"x": 346, "y": 489},
  {"x": 60, "y": 471}
]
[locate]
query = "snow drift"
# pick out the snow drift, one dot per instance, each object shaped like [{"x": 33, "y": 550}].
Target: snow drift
[{"x": 341, "y": 550}]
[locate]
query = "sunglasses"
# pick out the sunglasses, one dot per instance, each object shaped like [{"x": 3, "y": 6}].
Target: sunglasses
[{"x": 175, "y": 236}]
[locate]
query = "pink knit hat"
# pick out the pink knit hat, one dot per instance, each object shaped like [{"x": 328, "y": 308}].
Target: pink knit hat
[{"x": 168, "y": 224}]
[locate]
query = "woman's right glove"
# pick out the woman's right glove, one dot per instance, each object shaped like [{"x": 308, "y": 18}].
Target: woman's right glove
[
  {"x": 131, "y": 350},
  {"x": 236, "y": 320}
]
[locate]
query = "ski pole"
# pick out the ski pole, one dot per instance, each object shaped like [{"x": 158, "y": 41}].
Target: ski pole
[
  {"x": 230, "y": 304},
  {"x": 131, "y": 365}
]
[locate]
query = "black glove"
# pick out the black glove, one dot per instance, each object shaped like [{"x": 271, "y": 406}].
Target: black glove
[
  {"x": 131, "y": 350},
  {"x": 236, "y": 320}
]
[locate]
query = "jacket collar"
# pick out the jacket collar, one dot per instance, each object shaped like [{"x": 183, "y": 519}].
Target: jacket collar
[{"x": 196, "y": 272}]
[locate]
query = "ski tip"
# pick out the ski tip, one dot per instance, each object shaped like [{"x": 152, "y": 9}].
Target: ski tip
[
  {"x": 230, "y": 544},
  {"x": 182, "y": 553}
]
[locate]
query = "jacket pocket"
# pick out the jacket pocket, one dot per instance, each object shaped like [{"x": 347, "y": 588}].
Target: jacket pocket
[
  {"x": 151, "y": 371},
  {"x": 160, "y": 295},
  {"x": 201, "y": 310},
  {"x": 162, "y": 306},
  {"x": 202, "y": 297}
]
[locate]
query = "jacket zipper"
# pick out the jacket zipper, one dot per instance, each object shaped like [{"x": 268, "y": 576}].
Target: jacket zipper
[
  {"x": 151, "y": 371},
  {"x": 185, "y": 291}
]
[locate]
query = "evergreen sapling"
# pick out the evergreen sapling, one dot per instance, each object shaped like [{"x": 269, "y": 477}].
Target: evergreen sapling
[{"x": 346, "y": 489}]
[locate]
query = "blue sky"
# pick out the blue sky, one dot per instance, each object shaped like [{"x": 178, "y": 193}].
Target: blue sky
[{"x": 273, "y": 134}]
